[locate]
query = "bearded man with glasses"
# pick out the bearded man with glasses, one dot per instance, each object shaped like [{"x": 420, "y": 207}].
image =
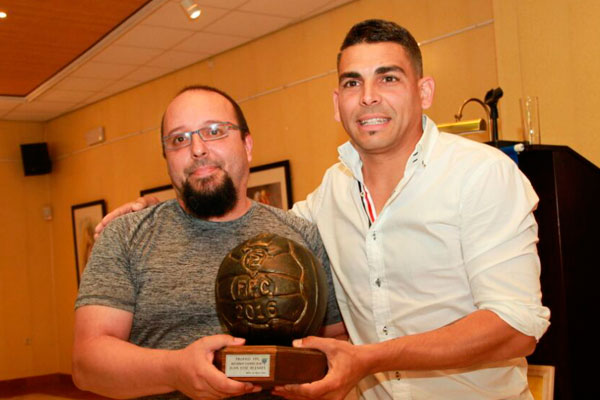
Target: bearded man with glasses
[{"x": 145, "y": 319}]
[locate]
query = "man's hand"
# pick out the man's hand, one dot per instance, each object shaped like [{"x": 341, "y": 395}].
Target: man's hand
[
  {"x": 197, "y": 377},
  {"x": 345, "y": 371},
  {"x": 137, "y": 205}
]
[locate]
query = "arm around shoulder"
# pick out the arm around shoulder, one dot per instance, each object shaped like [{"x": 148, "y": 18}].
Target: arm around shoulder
[
  {"x": 309, "y": 208},
  {"x": 139, "y": 204}
]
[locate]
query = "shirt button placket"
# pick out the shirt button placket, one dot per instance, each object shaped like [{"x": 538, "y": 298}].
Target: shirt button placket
[{"x": 377, "y": 299}]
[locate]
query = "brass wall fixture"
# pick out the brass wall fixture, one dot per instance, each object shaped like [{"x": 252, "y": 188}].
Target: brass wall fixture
[
  {"x": 490, "y": 106},
  {"x": 465, "y": 127}
]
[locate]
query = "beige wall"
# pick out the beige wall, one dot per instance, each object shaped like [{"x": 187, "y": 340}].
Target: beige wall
[
  {"x": 293, "y": 121},
  {"x": 550, "y": 49},
  {"x": 27, "y": 311}
]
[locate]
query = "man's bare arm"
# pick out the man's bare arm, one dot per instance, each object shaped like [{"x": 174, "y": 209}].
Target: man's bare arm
[
  {"x": 336, "y": 331},
  {"x": 105, "y": 362},
  {"x": 480, "y": 337}
]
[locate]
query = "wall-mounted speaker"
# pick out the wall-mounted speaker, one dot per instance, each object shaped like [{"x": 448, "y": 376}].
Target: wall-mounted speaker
[{"x": 36, "y": 160}]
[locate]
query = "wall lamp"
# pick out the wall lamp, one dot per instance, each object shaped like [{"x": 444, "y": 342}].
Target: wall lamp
[
  {"x": 490, "y": 105},
  {"x": 190, "y": 7}
]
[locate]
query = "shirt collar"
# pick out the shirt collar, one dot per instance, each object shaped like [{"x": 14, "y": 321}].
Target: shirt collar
[
  {"x": 422, "y": 152},
  {"x": 428, "y": 140},
  {"x": 350, "y": 158}
]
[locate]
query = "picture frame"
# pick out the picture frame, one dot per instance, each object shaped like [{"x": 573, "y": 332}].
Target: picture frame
[
  {"x": 271, "y": 184},
  {"x": 541, "y": 381},
  {"x": 84, "y": 218},
  {"x": 162, "y": 193}
]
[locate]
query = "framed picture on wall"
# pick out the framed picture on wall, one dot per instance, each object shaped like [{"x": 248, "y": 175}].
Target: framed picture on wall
[
  {"x": 163, "y": 193},
  {"x": 85, "y": 217},
  {"x": 271, "y": 184}
]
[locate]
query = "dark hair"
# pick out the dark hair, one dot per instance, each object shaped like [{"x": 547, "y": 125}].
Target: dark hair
[
  {"x": 377, "y": 31},
  {"x": 239, "y": 115}
]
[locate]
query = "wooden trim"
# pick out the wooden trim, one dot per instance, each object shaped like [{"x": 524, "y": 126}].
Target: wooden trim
[{"x": 53, "y": 384}]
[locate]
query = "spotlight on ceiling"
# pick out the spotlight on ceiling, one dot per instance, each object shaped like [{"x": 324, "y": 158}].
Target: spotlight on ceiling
[
  {"x": 3, "y": 15},
  {"x": 191, "y": 8}
]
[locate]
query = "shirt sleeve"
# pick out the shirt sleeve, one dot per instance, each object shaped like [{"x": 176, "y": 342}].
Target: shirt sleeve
[
  {"x": 333, "y": 315},
  {"x": 302, "y": 209},
  {"x": 107, "y": 279},
  {"x": 309, "y": 208},
  {"x": 499, "y": 236}
]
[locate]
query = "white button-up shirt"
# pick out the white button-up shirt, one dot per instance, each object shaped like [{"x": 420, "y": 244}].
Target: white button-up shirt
[{"x": 457, "y": 235}]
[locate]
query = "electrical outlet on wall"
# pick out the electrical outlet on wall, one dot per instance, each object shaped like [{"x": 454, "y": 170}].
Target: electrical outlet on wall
[
  {"x": 47, "y": 212},
  {"x": 94, "y": 136}
]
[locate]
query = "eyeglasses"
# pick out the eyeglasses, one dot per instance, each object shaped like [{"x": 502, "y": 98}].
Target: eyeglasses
[{"x": 215, "y": 131}]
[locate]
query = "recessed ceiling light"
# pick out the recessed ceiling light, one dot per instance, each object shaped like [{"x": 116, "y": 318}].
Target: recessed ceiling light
[{"x": 3, "y": 15}]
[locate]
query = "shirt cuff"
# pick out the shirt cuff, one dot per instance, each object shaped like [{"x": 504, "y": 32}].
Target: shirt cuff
[{"x": 529, "y": 319}]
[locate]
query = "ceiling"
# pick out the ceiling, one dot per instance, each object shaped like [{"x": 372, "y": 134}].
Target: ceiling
[{"x": 61, "y": 55}]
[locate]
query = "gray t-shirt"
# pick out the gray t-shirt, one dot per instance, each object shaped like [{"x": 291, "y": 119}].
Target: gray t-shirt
[{"x": 161, "y": 263}]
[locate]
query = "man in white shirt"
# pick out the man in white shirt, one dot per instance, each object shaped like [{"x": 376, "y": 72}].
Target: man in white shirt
[
  {"x": 432, "y": 241},
  {"x": 431, "y": 238}
]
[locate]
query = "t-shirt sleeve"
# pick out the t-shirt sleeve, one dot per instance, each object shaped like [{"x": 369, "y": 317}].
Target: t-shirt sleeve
[
  {"x": 499, "y": 236},
  {"x": 107, "y": 278}
]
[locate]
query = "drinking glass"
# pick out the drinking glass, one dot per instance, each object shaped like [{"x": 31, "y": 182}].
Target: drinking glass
[{"x": 530, "y": 114}]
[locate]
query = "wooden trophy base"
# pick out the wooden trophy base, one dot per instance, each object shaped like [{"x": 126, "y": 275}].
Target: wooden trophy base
[{"x": 268, "y": 366}]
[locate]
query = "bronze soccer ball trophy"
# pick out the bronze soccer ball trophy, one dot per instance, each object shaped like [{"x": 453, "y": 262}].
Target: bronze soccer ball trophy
[{"x": 271, "y": 290}]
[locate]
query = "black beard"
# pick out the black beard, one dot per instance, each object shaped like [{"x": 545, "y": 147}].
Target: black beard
[{"x": 214, "y": 202}]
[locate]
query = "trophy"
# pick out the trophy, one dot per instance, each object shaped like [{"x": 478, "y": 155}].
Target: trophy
[{"x": 271, "y": 290}]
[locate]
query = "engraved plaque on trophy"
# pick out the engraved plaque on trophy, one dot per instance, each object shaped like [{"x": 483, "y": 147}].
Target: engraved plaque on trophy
[{"x": 271, "y": 290}]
